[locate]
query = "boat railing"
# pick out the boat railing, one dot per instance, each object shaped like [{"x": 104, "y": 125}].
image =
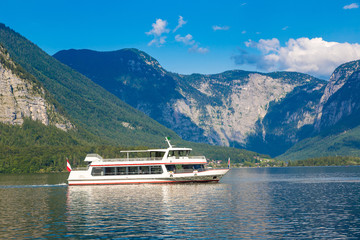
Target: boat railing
[
  {"x": 149, "y": 158},
  {"x": 187, "y": 157},
  {"x": 80, "y": 168},
  {"x": 196, "y": 157},
  {"x": 132, "y": 159}
]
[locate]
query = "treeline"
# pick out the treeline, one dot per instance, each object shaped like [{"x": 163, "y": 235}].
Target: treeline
[
  {"x": 327, "y": 161},
  {"x": 34, "y": 147},
  {"x": 41, "y": 159},
  {"x": 34, "y": 133}
]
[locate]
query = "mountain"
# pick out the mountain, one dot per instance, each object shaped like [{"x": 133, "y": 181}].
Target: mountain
[
  {"x": 262, "y": 112},
  {"x": 337, "y": 124},
  {"x": 340, "y": 101},
  {"x": 99, "y": 116}
]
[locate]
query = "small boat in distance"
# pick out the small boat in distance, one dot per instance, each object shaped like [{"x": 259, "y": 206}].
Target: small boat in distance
[{"x": 170, "y": 165}]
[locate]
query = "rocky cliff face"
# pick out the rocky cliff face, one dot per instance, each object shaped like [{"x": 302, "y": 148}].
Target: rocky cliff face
[
  {"x": 229, "y": 116},
  {"x": 23, "y": 98},
  {"x": 262, "y": 112},
  {"x": 341, "y": 96}
]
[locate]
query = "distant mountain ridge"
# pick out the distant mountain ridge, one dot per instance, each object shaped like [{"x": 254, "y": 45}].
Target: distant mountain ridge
[{"x": 234, "y": 108}]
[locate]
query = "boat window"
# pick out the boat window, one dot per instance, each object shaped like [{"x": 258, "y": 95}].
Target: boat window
[
  {"x": 109, "y": 171},
  {"x": 97, "y": 171},
  {"x": 185, "y": 168},
  {"x": 144, "y": 170},
  {"x": 199, "y": 166},
  {"x": 179, "y": 153},
  {"x": 182, "y": 153},
  {"x": 157, "y": 154},
  {"x": 133, "y": 170},
  {"x": 171, "y": 153},
  {"x": 156, "y": 170},
  {"x": 170, "y": 168},
  {"x": 121, "y": 170}
]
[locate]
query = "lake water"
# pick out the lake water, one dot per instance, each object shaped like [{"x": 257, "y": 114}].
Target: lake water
[{"x": 262, "y": 203}]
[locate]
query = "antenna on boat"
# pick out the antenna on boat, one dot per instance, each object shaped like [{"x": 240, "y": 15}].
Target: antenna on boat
[{"x": 168, "y": 142}]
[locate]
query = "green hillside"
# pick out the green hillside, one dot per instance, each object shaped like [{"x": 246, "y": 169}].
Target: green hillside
[
  {"x": 327, "y": 161},
  {"x": 346, "y": 143}
]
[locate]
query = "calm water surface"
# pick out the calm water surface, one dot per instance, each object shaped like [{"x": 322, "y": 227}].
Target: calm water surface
[{"x": 271, "y": 203}]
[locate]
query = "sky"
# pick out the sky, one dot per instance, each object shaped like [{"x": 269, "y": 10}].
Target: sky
[{"x": 198, "y": 36}]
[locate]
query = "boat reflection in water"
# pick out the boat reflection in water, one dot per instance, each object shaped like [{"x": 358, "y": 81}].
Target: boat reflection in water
[
  {"x": 146, "y": 210},
  {"x": 171, "y": 165}
]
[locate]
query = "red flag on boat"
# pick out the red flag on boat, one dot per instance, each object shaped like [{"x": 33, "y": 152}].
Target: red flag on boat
[
  {"x": 68, "y": 166},
  {"x": 229, "y": 163}
]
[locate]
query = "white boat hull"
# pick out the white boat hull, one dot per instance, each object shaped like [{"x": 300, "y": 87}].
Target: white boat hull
[{"x": 79, "y": 178}]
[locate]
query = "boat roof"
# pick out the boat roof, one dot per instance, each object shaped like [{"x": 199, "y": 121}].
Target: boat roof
[{"x": 156, "y": 150}]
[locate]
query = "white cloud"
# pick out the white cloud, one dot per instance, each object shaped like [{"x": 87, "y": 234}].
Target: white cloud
[
  {"x": 223, "y": 28},
  {"x": 187, "y": 40},
  {"x": 313, "y": 56},
  {"x": 198, "y": 49},
  {"x": 152, "y": 42},
  {"x": 181, "y": 22},
  {"x": 158, "y": 28},
  {"x": 264, "y": 45},
  {"x": 157, "y": 41},
  {"x": 285, "y": 28},
  {"x": 160, "y": 32},
  {"x": 351, "y": 6}
]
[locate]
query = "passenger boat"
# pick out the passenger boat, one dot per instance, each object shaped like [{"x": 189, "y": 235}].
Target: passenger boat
[{"x": 171, "y": 165}]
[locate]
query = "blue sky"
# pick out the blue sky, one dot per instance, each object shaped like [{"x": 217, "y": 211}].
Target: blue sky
[{"x": 199, "y": 36}]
